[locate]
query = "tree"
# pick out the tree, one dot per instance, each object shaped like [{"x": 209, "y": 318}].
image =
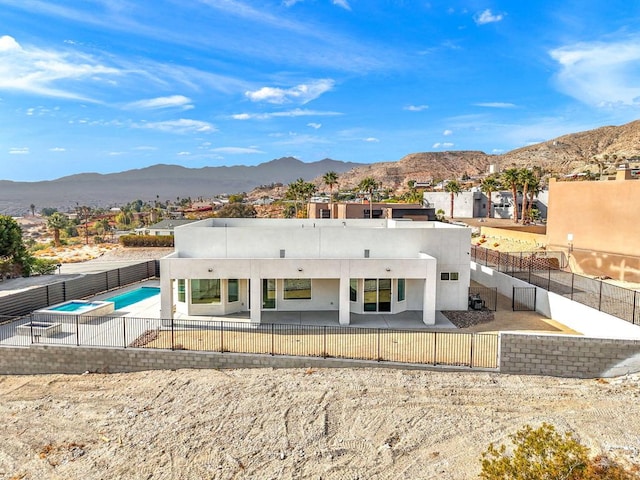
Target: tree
[
  {"x": 32, "y": 207},
  {"x": 488, "y": 186},
  {"x": 454, "y": 188},
  {"x": 14, "y": 256},
  {"x": 543, "y": 453},
  {"x": 369, "y": 185},
  {"x": 300, "y": 191},
  {"x": 525, "y": 179},
  {"x": 510, "y": 178},
  {"x": 330, "y": 179},
  {"x": 237, "y": 210},
  {"x": 57, "y": 222}
]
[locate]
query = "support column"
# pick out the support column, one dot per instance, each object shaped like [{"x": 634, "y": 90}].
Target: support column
[
  {"x": 256, "y": 294},
  {"x": 344, "y": 298},
  {"x": 429, "y": 300},
  {"x": 166, "y": 296}
]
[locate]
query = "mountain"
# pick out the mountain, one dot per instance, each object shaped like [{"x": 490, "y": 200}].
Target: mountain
[
  {"x": 560, "y": 155},
  {"x": 158, "y": 181}
]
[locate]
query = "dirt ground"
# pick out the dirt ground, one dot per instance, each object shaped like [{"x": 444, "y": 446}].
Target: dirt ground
[{"x": 295, "y": 424}]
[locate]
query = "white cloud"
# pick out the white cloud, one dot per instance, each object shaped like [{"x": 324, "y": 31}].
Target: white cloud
[
  {"x": 442, "y": 145},
  {"x": 40, "y": 72},
  {"x": 183, "y": 154},
  {"x": 446, "y": 133},
  {"x": 163, "y": 102},
  {"x": 342, "y": 3},
  {"x": 180, "y": 126},
  {"x": 416, "y": 108},
  {"x": 600, "y": 73},
  {"x": 57, "y": 149},
  {"x": 146, "y": 148},
  {"x": 303, "y": 93},
  {"x": 486, "y": 16},
  {"x": 497, "y": 150},
  {"x": 298, "y": 112},
  {"x": 495, "y": 105},
  {"x": 314, "y": 125},
  {"x": 19, "y": 151},
  {"x": 371, "y": 140},
  {"x": 236, "y": 150}
]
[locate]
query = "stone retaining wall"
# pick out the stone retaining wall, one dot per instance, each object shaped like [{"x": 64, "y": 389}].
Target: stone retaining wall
[
  {"x": 50, "y": 359},
  {"x": 568, "y": 356}
]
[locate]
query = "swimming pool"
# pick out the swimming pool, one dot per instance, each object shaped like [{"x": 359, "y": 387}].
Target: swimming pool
[
  {"x": 75, "y": 306},
  {"x": 134, "y": 296}
]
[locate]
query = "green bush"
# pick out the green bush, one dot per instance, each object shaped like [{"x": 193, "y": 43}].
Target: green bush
[
  {"x": 43, "y": 266},
  {"x": 147, "y": 240},
  {"x": 543, "y": 453}
]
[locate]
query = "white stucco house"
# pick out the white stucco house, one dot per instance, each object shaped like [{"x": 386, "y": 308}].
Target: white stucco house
[{"x": 361, "y": 266}]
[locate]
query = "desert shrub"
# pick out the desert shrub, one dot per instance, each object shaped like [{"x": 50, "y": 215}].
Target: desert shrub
[
  {"x": 543, "y": 453},
  {"x": 147, "y": 240},
  {"x": 43, "y": 266}
]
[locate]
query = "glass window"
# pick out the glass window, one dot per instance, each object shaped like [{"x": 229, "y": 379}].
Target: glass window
[
  {"x": 353, "y": 289},
  {"x": 268, "y": 293},
  {"x": 401, "y": 289},
  {"x": 232, "y": 287},
  {"x": 181, "y": 290},
  {"x": 370, "y": 294},
  {"x": 444, "y": 275},
  {"x": 384, "y": 295},
  {"x": 297, "y": 289},
  {"x": 205, "y": 290},
  {"x": 453, "y": 276}
]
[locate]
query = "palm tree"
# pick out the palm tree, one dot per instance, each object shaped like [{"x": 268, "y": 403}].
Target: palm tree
[
  {"x": 32, "y": 207},
  {"x": 369, "y": 184},
  {"x": 454, "y": 188},
  {"x": 488, "y": 186},
  {"x": 300, "y": 191},
  {"x": 511, "y": 179},
  {"x": 330, "y": 179},
  {"x": 534, "y": 189},
  {"x": 57, "y": 222},
  {"x": 526, "y": 177}
]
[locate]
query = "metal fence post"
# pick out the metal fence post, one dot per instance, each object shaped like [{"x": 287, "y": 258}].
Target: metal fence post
[
  {"x": 124, "y": 331},
  {"x": 635, "y": 305},
  {"x": 549, "y": 279},
  {"x": 77, "y": 330},
  {"x": 573, "y": 277},
  {"x": 473, "y": 338},
  {"x": 324, "y": 341},
  {"x": 172, "y": 329},
  {"x": 379, "y": 357},
  {"x": 273, "y": 339},
  {"x": 221, "y": 336},
  {"x": 600, "y": 297}
]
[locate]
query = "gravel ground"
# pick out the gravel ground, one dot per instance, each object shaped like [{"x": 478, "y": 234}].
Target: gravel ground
[{"x": 295, "y": 424}]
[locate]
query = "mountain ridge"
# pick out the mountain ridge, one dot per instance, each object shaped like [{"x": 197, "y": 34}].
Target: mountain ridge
[{"x": 166, "y": 181}]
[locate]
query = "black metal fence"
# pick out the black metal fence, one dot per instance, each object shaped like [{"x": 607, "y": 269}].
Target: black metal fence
[
  {"x": 26, "y": 301},
  {"x": 545, "y": 270},
  {"x": 473, "y": 350},
  {"x": 488, "y": 296}
]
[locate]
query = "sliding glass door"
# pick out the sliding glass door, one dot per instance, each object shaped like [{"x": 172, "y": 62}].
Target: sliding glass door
[{"x": 377, "y": 295}]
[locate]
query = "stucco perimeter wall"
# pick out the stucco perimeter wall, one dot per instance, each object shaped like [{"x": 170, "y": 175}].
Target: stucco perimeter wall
[
  {"x": 567, "y": 356},
  {"x": 581, "y": 318},
  {"x": 50, "y": 359}
]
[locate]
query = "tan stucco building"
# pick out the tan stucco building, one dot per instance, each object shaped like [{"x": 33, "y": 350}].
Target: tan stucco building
[{"x": 598, "y": 224}]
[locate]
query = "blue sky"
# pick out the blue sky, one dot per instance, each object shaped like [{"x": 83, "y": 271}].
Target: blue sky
[{"x": 110, "y": 85}]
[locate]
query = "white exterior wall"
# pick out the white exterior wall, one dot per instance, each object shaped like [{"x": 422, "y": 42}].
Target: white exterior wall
[{"x": 330, "y": 252}]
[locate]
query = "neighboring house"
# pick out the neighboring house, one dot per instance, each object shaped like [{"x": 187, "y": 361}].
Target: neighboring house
[
  {"x": 224, "y": 266},
  {"x": 597, "y": 223},
  {"x": 474, "y": 203},
  {"x": 164, "y": 227},
  {"x": 412, "y": 211}
]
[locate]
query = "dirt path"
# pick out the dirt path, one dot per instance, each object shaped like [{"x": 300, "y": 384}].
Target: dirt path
[{"x": 294, "y": 424}]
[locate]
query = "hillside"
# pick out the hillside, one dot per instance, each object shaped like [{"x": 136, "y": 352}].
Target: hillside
[
  {"x": 165, "y": 182},
  {"x": 561, "y": 155}
]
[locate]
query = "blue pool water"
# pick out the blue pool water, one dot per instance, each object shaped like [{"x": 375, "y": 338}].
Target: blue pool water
[
  {"x": 134, "y": 296},
  {"x": 75, "y": 307}
]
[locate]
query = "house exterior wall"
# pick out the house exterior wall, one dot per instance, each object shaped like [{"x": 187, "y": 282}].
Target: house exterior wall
[
  {"x": 329, "y": 252},
  {"x": 601, "y": 219}
]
